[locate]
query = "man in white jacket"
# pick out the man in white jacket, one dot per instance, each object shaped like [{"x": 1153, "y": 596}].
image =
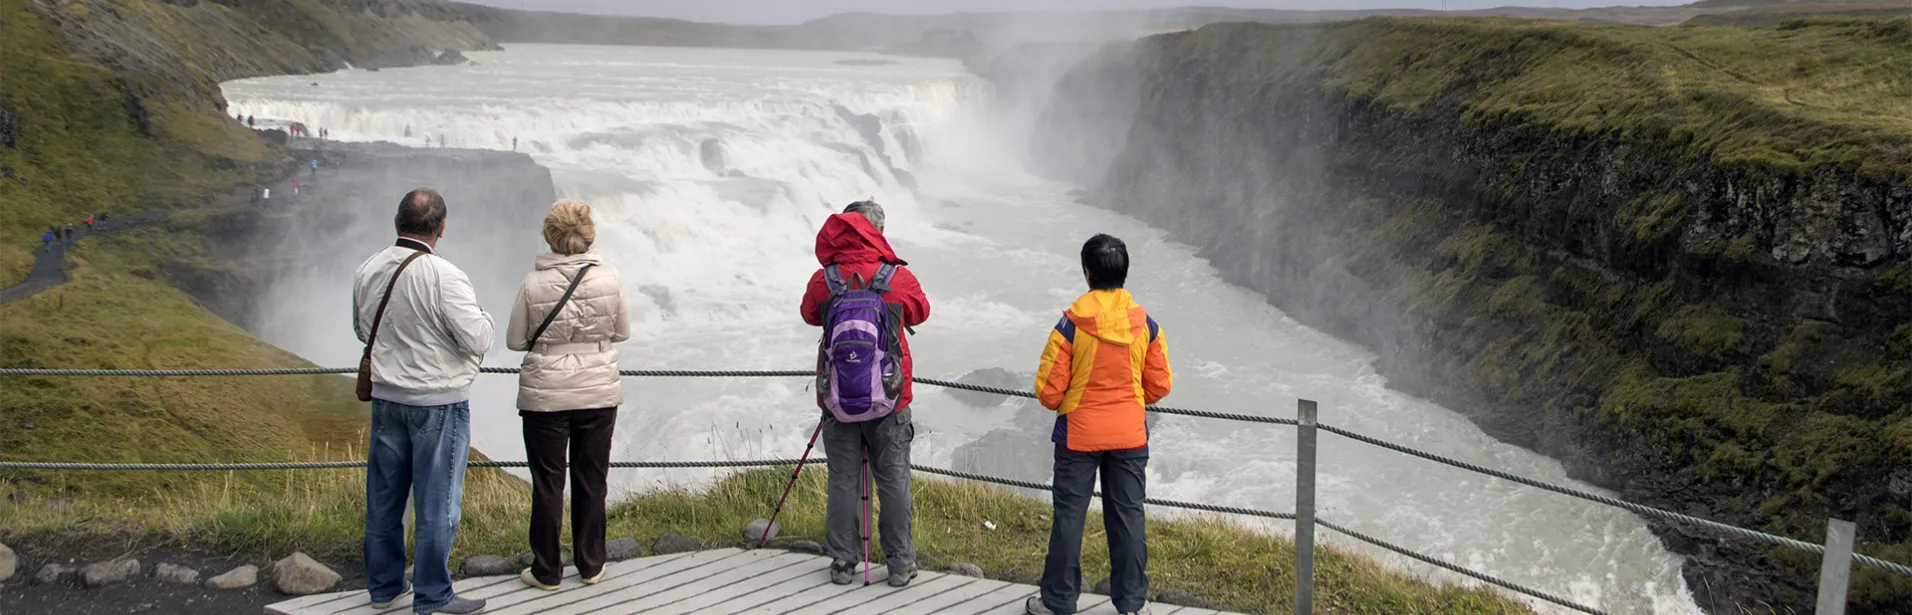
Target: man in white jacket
[{"x": 429, "y": 343}]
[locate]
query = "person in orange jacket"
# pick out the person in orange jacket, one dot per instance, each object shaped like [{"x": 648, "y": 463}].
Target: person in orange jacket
[{"x": 1105, "y": 361}]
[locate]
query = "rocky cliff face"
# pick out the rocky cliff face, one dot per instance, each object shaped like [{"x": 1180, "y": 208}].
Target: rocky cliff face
[{"x": 1715, "y": 332}]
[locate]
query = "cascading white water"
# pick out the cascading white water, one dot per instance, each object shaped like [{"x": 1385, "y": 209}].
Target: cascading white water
[{"x": 710, "y": 171}]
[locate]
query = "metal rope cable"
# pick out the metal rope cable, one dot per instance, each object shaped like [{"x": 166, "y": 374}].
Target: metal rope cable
[
  {"x": 1457, "y": 569},
  {"x": 1642, "y": 510},
  {"x": 1617, "y": 503}
]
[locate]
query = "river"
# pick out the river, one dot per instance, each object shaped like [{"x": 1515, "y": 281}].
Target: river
[{"x": 710, "y": 171}]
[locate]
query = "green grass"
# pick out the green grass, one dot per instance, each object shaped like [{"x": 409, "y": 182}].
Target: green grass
[
  {"x": 1819, "y": 92},
  {"x": 89, "y": 140},
  {"x": 321, "y": 512}
]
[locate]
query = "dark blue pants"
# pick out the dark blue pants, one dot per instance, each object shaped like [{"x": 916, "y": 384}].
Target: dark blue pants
[
  {"x": 419, "y": 450},
  {"x": 1124, "y": 478}
]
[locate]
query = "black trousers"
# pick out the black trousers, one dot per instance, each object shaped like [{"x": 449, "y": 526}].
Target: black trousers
[
  {"x": 587, "y": 433},
  {"x": 1124, "y": 481}
]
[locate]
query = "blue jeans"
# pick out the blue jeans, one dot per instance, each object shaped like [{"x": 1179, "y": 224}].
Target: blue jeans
[
  {"x": 1124, "y": 480},
  {"x": 420, "y": 450}
]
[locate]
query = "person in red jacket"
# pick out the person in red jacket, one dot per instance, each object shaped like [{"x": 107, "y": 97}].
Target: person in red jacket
[{"x": 853, "y": 242}]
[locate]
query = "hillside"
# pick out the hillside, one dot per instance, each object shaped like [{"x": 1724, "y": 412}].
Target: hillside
[{"x": 1673, "y": 258}]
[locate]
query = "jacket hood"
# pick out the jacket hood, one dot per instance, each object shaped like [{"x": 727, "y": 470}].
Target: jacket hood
[
  {"x": 850, "y": 238},
  {"x": 1105, "y": 314},
  {"x": 553, "y": 260}
]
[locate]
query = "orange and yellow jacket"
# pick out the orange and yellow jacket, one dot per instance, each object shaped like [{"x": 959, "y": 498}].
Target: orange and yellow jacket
[{"x": 1105, "y": 360}]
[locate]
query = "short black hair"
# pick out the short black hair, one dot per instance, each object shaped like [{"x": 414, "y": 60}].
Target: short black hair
[
  {"x": 421, "y": 212},
  {"x": 1107, "y": 261}
]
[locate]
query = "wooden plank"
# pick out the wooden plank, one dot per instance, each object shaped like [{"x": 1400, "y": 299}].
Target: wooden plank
[
  {"x": 1085, "y": 603},
  {"x": 816, "y": 580},
  {"x": 818, "y": 594},
  {"x": 808, "y": 572},
  {"x": 359, "y": 602},
  {"x": 533, "y": 600},
  {"x": 1012, "y": 606},
  {"x": 955, "y": 596},
  {"x": 1004, "y": 594},
  {"x": 862, "y": 598},
  {"x": 735, "y": 571},
  {"x": 924, "y": 587}
]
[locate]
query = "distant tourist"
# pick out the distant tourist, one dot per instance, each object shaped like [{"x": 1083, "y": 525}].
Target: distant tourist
[
  {"x": 866, "y": 401},
  {"x": 249, "y": 121},
  {"x": 434, "y": 335},
  {"x": 569, "y": 312},
  {"x": 48, "y": 238},
  {"x": 514, "y": 144},
  {"x": 441, "y": 140},
  {"x": 89, "y": 223},
  {"x": 68, "y": 234},
  {"x": 1101, "y": 426},
  {"x": 295, "y": 187},
  {"x": 315, "y": 167}
]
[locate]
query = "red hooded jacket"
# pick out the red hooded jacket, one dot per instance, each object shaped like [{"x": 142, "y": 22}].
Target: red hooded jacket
[{"x": 857, "y": 248}]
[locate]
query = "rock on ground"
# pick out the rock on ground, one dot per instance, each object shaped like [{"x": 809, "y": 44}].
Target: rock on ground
[
  {"x": 54, "y": 573},
  {"x": 237, "y": 578},
  {"x": 487, "y": 565},
  {"x": 967, "y": 570},
  {"x": 8, "y": 562},
  {"x": 1101, "y": 587},
  {"x": 620, "y": 549},
  {"x": 526, "y": 559},
  {"x": 101, "y": 574},
  {"x": 299, "y": 575},
  {"x": 177, "y": 575},
  {"x": 674, "y": 543},
  {"x": 755, "y": 530},
  {"x": 1182, "y": 598},
  {"x": 805, "y": 546}
]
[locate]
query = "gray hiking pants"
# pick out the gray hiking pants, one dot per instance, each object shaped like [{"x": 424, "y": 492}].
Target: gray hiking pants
[{"x": 887, "y": 442}]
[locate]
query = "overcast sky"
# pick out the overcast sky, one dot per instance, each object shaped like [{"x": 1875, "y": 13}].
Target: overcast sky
[{"x": 794, "y": 11}]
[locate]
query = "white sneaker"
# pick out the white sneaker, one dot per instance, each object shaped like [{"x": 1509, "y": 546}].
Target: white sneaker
[
  {"x": 532, "y": 580},
  {"x": 1034, "y": 606}
]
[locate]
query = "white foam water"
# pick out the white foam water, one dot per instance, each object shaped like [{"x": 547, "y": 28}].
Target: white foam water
[{"x": 710, "y": 171}]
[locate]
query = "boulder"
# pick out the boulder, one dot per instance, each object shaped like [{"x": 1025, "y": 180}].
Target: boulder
[
  {"x": 450, "y": 57},
  {"x": 990, "y": 377},
  {"x": 967, "y": 570},
  {"x": 805, "y": 546},
  {"x": 674, "y": 543},
  {"x": 755, "y": 531},
  {"x": 8, "y": 562},
  {"x": 1101, "y": 587},
  {"x": 1182, "y": 598},
  {"x": 102, "y": 574},
  {"x": 525, "y": 559},
  {"x": 176, "y": 575},
  {"x": 237, "y": 578},
  {"x": 54, "y": 573},
  {"x": 620, "y": 549},
  {"x": 300, "y": 575},
  {"x": 487, "y": 565}
]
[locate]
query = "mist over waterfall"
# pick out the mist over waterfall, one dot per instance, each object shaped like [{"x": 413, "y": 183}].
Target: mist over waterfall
[{"x": 710, "y": 172}]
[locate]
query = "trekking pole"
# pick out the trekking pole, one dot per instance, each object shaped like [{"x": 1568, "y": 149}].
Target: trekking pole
[
  {"x": 863, "y": 484},
  {"x": 793, "y": 482}
]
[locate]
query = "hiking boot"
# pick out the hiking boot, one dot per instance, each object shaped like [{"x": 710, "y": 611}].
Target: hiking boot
[
  {"x": 903, "y": 579},
  {"x": 1034, "y": 606},
  {"x": 532, "y": 580},
  {"x": 388, "y": 603},
  {"x": 842, "y": 574},
  {"x": 458, "y": 606},
  {"x": 1144, "y": 611}
]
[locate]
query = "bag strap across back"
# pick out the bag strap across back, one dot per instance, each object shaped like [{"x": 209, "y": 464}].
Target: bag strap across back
[
  {"x": 379, "y": 317},
  {"x": 560, "y": 306}
]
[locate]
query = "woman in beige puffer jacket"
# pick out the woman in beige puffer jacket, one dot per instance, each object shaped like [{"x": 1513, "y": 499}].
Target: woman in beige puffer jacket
[{"x": 569, "y": 391}]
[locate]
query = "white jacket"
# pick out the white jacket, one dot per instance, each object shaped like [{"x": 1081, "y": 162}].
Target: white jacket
[
  {"x": 574, "y": 364},
  {"x": 434, "y": 334}
]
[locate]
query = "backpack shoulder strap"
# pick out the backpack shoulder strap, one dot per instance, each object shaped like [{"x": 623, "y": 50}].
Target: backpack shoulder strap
[
  {"x": 560, "y": 306},
  {"x": 881, "y": 281},
  {"x": 833, "y": 277}
]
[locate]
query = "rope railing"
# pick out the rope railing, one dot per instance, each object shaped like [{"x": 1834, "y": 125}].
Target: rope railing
[{"x": 1643, "y": 510}]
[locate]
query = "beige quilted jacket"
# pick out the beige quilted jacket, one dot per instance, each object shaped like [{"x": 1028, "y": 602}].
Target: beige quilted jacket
[{"x": 574, "y": 364}]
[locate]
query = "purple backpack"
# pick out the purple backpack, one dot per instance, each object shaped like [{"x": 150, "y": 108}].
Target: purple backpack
[{"x": 859, "y": 374}]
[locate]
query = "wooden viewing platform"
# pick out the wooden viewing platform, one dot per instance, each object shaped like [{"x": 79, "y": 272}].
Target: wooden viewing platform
[{"x": 768, "y": 581}]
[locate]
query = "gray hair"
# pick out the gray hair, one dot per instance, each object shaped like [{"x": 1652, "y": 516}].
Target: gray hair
[{"x": 871, "y": 211}]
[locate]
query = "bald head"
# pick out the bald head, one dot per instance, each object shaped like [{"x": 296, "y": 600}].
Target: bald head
[{"x": 421, "y": 214}]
